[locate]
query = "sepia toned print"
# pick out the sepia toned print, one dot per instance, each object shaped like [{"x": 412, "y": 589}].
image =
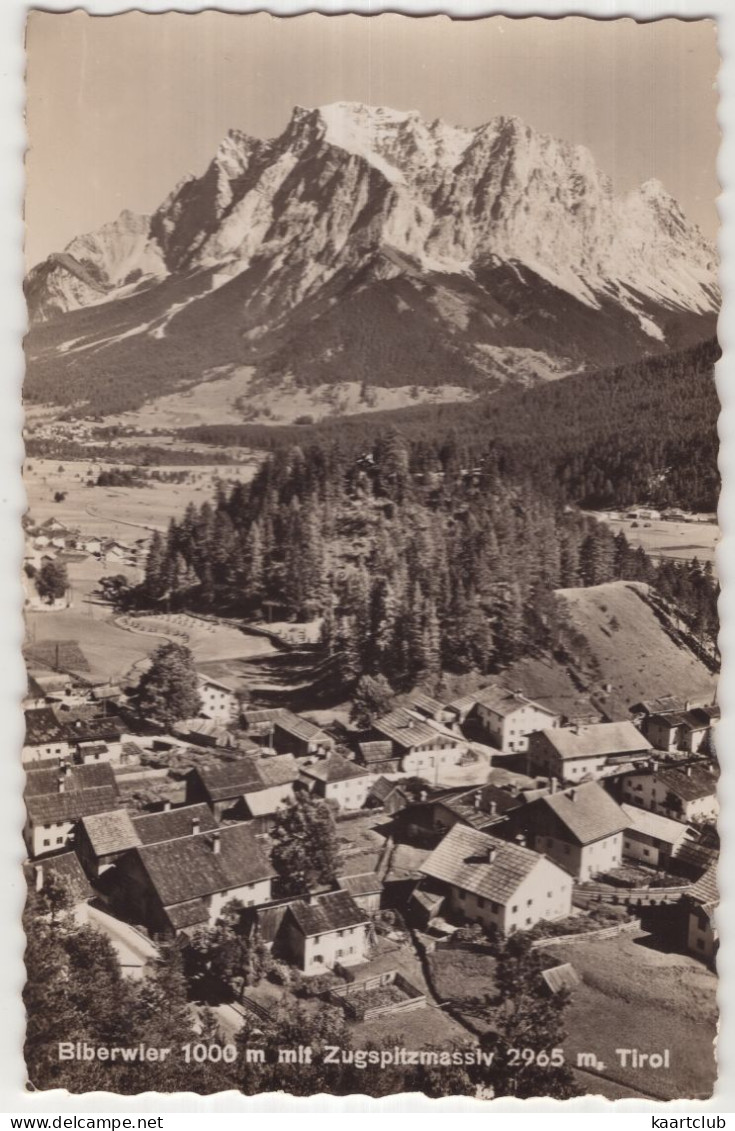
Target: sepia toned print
[{"x": 371, "y": 604}]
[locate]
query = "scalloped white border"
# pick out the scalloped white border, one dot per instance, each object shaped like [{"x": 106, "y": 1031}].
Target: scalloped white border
[{"x": 12, "y": 501}]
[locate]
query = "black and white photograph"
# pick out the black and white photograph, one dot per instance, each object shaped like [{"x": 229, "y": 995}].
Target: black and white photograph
[{"x": 369, "y": 578}]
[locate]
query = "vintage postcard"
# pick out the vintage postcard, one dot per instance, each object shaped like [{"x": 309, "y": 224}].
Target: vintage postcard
[{"x": 369, "y": 559}]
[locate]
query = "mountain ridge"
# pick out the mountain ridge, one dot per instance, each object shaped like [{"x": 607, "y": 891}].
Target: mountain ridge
[{"x": 472, "y": 239}]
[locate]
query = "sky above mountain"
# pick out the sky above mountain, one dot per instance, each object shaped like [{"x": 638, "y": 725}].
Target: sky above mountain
[{"x": 121, "y": 107}]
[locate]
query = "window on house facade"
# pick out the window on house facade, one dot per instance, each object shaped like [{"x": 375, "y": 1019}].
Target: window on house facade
[
  {"x": 529, "y": 902},
  {"x": 480, "y": 901},
  {"x": 46, "y": 843},
  {"x": 514, "y": 908}
]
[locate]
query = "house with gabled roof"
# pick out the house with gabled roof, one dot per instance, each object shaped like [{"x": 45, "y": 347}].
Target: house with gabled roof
[
  {"x": 57, "y": 798},
  {"x": 366, "y": 888},
  {"x": 685, "y": 792},
  {"x": 486, "y": 880},
  {"x": 335, "y": 778},
  {"x": 322, "y": 930},
  {"x": 421, "y": 745},
  {"x": 653, "y": 839},
  {"x": 220, "y": 699},
  {"x": 580, "y": 829},
  {"x": 701, "y": 901},
  {"x": 508, "y": 718},
  {"x": 178, "y": 885},
  {"x": 102, "y": 838},
  {"x": 378, "y": 756},
  {"x": 63, "y": 868},
  {"x": 45, "y": 737},
  {"x": 287, "y": 733},
  {"x": 576, "y": 753},
  {"x": 245, "y": 787}
]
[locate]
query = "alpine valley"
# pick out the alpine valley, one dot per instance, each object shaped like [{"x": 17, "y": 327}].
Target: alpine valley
[{"x": 368, "y": 259}]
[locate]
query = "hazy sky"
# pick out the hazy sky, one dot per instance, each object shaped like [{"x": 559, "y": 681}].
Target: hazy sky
[{"x": 121, "y": 107}]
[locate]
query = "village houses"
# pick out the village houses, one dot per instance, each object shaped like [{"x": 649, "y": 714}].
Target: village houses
[
  {"x": 58, "y": 797},
  {"x": 508, "y": 718},
  {"x": 422, "y": 747},
  {"x": 220, "y": 702},
  {"x": 580, "y": 829},
  {"x": 574, "y": 753},
  {"x": 486, "y": 880},
  {"x": 102, "y": 838},
  {"x": 652, "y": 839},
  {"x": 178, "y": 885},
  {"x": 701, "y": 902},
  {"x": 335, "y": 778},
  {"x": 45, "y": 737},
  {"x": 322, "y": 930},
  {"x": 683, "y": 792}
]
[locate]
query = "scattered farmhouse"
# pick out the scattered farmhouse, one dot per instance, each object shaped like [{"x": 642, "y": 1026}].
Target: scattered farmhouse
[
  {"x": 508, "y": 718},
  {"x": 578, "y": 752},
  {"x": 581, "y": 829},
  {"x": 178, "y": 885},
  {"x": 57, "y": 798},
  {"x": 246, "y": 787},
  {"x": 483, "y": 879},
  {"x": 45, "y": 738},
  {"x": 685, "y": 793},
  {"x": 336, "y": 778}
]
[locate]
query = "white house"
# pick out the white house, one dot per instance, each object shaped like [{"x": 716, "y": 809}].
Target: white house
[
  {"x": 576, "y": 753},
  {"x": 490, "y": 881},
  {"x": 337, "y": 779},
  {"x": 219, "y": 700},
  {"x": 507, "y": 717},
  {"x": 324, "y": 930},
  {"x": 684, "y": 793},
  {"x": 651, "y": 838}
]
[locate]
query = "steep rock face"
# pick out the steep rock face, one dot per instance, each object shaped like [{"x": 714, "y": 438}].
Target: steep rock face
[{"x": 497, "y": 234}]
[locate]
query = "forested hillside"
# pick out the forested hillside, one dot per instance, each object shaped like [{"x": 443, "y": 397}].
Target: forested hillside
[
  {"x": 413, "y": 572},
  {"x": 645, "y": 432}
]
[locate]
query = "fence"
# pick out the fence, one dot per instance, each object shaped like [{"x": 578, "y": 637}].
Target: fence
[
  {"x": 411, "y": 998},
  {"x": 588, "y": 936},
  {"x": 627, "y": 897}
]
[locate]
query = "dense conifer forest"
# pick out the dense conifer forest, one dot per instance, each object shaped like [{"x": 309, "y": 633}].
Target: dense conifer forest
[
  {"x": 643, "y": 432},
  {"x": 416, "y": 565}
]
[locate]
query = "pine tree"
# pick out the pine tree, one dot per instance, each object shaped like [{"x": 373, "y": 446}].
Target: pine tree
[
  {"x": 304, "y": 839},
  {"x": 168, "y": 690}
]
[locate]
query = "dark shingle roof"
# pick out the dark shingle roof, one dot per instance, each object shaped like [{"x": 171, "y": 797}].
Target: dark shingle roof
[
  {"x": 379, "y": 751},
  {"x": 596, "y": 739},
  {"x": 405, "y": 729},
  {"x": 365, "y": 883},
  {"x": 335, "y": 768},
  {"x": 655, "y": 825},
  {"x": 65, "y": 867},
  {"x": 279, "y": 770},
  {"x": 230, "y": 779},
  {"x": 705, "y": 890},
  {"x": 382, "y": 789},
  {"x": 586, "y": 811},
  {"x": 171, "y": 824},
  {"x": 332, "y": 911},
  {"x": 43, "y": 727},
  {"x": 187, "y": 869},
  {"x": 111, "y": 832},
  {"x": 102, "y": 728},
  {"x": 53, "y": 808},
  {"x": 505, "y": 702},
  {"x": 462, "y": 859},
  {"x": 689, "y": 784},
  {"x": 463, "y": 805},
  {"x": 76, "y": 778},
  {"x": 87, "y": 789},
  {"x": 187, "y": 914}
]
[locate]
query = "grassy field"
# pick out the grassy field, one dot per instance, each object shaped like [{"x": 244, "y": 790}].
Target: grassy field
[
  {"x": 634, "y": 654},
  {"x": 634, "y": 996},
  {"x": 683, "y": 540},
  {"x": 125, "y": 513},
  {"x": 460, "y": 974}
]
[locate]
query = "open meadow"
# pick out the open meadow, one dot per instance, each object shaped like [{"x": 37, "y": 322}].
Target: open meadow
[{"x": 680, "y": 540}]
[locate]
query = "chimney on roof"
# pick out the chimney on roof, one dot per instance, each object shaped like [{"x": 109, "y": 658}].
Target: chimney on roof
[
  {"x": 196, "y": 826},
  {"x": 477, "y": 799},
  {"x": 492, "y": 852},
  {"x": 521, "y": 840},
  {"x": 553, "y": 784},
  {"x": 423, "y": 795},
  {"x": 61, "y": 780},
  {"x": 572, "y": 794},
  {"x": 493, "y": 809},
  {"x": 38, "y": 876},
  {"x": 688, "y": 770},
  {"x": 167, "y": 805},
  {"x": 216, "y": 844},
  {"x": 512, "y": 788}
]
